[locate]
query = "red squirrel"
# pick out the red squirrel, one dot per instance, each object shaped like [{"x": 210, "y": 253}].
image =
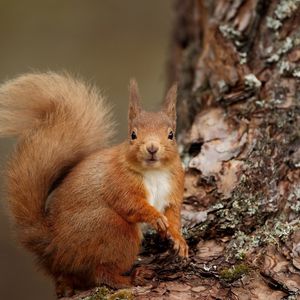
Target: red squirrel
[{"x": 77, "y": 202}]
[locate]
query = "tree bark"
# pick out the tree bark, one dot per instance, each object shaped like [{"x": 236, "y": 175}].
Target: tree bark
[{"x": 237, "y": 64}]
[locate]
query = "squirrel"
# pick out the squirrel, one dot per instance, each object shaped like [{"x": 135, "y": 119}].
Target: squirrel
[{"x": 77, "y": 202}]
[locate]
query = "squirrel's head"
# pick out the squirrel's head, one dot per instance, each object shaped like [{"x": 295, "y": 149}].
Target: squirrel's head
[{"x": 151, "y": 135}]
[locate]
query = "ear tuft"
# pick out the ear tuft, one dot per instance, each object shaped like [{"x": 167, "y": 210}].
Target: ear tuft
[
  {"x": 169, "y": 106},
  {"x": 134, "y": 99}
]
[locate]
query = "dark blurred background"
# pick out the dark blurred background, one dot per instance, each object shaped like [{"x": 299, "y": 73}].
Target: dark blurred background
[{"x": 106, "y": 42}]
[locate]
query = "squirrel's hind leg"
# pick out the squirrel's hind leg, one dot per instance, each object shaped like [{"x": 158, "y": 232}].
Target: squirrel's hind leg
[{"x": 111, "y": 276}]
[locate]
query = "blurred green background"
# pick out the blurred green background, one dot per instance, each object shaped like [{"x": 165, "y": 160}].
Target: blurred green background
[{"x": 105, "y": 42}]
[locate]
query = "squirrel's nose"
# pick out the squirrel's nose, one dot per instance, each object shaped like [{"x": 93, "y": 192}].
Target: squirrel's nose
[{"x": 152, "y": 149}]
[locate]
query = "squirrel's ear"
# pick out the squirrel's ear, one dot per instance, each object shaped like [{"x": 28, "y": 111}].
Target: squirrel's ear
[
  {"x": 169, "y": 106},
  {"x": 134, "y": 100}
]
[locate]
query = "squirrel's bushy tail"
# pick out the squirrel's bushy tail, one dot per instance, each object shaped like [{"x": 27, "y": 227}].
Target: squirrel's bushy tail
[{"x": 59, "y": 120}]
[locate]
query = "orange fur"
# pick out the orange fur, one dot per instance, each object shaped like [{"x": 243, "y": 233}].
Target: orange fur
[{"x": 76, "y": 202}]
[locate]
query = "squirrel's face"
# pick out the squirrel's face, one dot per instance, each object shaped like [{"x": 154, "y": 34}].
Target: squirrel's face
[
  {"x": 152, "y": 140},
  {"x": 151, "y": 135}
]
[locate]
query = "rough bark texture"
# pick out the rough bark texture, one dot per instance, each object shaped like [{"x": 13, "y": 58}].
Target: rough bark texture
[{"x": 238, "y": 67}]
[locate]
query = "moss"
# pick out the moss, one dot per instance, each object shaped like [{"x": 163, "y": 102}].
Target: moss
[
  {"x": 121, "y": 295},
  {"x": 100, "y": 294},
  {"x": 234, "y": 273},
  {"x": 241, "y": 255},
  {"x": 104, "y": 293}
]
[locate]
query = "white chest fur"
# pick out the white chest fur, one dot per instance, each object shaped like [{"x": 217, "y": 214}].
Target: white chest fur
[{"x": 158, "y": 186}]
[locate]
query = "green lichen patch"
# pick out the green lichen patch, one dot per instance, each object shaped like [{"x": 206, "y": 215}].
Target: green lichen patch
[
  {"x": 251, "y": 82},
  {"x": 256, "y": 196},
  {"x": 237, "y": 38},
  {"x": 121, "y": 295},
  {"x": 100, "y": 294},
  {"x": 230, "y": 33},
  {"x": 286, "y": 8},
  {"x": 294, "y": 199},
  {"x": 104, "y": 293},
  {"x": 234, "y": 273},
  {"x": 273, "y": 23},
  {"x": 285, "y": 47},
  {"x": 273, "y": 233},
  {"x": 296, "y": 73},
  {"x": 287, "y": 68}
]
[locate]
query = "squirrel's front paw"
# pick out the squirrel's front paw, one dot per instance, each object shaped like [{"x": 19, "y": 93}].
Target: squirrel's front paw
[
  {"x": 160, "y": 223},
  {"x": 180, "y": 246}
]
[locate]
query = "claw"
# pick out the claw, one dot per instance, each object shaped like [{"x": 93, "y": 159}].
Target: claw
[
  {"x": 181, "y": 248},
  {"x": 162, "y": 223}
]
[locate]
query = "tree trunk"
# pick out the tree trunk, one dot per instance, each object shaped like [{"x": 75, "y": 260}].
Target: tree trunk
[
  {"x": 238, "y": 68},
  {"x": 237, "y": 63}
]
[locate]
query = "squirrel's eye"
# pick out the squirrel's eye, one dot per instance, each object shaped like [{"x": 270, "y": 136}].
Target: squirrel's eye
[
  {"x": 133, "y": 135},
  {"x": 171, "y": 135}
]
